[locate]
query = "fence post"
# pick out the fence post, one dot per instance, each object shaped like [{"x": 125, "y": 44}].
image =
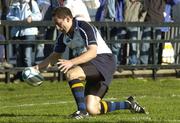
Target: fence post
[{"x": 7, "y": 74}]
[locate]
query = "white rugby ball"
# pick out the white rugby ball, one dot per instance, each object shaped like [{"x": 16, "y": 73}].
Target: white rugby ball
[{"x": 32, "y": 76}]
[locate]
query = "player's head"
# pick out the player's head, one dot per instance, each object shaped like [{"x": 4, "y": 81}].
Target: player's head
[{"x": 63, "y": 17}]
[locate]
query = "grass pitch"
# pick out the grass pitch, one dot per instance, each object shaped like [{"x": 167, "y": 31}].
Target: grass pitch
[{"x": 53, "y": 102}]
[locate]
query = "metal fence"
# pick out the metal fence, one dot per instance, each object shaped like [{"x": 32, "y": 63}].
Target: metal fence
[{"x": 173, "y": 36}]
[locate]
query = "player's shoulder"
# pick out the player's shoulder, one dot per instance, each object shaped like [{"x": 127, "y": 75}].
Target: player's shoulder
[{"x": 84, "y": 25}]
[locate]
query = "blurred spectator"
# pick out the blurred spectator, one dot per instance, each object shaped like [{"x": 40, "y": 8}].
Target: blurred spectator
[
  {"x": 106, "y": 11},
  {"x": 111, "y": 10},
  {"x": 3, "y": 63},
  {"x": 47, "y": 7},
  {"x": 134, "y": 12},
  {"x": 155, "y": 9},
  {"x": 78, "y": 9},
  {"x": 43, "y": 6},
  {"x": 170, "y": 32},
  {"x": 175, "y": 14},
  {"x": 176, "y": 10},
  {"x": 92, "y": 6},
  {"x": 170, "y": 12},
  {"x": 4, "y": 5},
  {"x": 24, "y": 10}
]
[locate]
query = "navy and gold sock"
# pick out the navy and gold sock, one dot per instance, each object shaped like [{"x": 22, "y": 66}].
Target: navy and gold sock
[
  {"x": 77, "y": 89},
  {"x": 109, "y": 106}
]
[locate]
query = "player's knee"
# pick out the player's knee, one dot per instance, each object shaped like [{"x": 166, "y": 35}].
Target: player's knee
[
  {"x": 75, "y": 73},
  {"x": 93, "y": 104},
  {"x": 93, "y": 109}
]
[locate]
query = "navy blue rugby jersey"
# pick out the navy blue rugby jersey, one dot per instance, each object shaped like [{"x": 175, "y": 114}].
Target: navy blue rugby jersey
[{"x": 84, "y": 34}]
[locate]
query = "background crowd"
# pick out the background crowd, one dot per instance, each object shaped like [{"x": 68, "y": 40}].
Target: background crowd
[{"x": 155, "y": 11}]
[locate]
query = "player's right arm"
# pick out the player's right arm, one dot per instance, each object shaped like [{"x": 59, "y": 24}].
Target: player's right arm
[{"x": 50, "y": 60}]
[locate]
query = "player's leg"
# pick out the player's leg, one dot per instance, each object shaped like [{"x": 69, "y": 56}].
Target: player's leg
[
  {"x": 95, "y": 104},
  {"x": 76, "y": 77},
  {"x": 109, "y": 106},
  {"x": 95, "y": 89},
  {"x": 130, "y": 104}
]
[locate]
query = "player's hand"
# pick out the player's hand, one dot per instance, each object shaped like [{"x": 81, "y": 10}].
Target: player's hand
[{"x": 64, "y": 65}]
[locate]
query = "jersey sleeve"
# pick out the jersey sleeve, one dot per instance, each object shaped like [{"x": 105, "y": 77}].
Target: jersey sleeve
[{"x": 88, "y": 32}]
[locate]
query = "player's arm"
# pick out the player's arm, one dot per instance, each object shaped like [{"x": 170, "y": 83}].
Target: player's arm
[
  {"x": 51, "y": 59},
  {"x": 86, "y": 56},
  {"x": 65, "y": 65},
  {"x": 89, "y": 35}
]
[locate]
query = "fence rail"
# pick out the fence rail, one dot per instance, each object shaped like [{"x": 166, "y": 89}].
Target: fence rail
[{"x": 6, "y": 25}]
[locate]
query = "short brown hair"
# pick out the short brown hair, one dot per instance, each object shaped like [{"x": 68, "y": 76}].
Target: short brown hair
[{"x": 62, "y": 12}]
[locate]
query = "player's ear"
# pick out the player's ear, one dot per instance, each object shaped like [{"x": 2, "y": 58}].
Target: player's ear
[{"x": 68, "y": 18}]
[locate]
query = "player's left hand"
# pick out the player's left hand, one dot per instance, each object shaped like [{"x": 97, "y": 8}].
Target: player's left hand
[{"x": 64, "y": 65}]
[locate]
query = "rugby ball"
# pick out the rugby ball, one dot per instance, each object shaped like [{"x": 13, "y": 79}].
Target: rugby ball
[{"x": 32, "y": 76}]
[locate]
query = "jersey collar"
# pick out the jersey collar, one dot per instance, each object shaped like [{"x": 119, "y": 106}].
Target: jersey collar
[{"x": 74, "y": 27}]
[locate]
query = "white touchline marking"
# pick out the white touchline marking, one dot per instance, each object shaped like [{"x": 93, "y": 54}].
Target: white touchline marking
[
  {"x": 64, "y": 102},
  {"x": 172, "y": 95},
  {"x": 36, "y": 104},
  {"x": 46, "y": 103}
]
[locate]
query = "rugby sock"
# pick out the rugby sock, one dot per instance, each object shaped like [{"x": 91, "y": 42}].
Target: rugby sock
[
  {"x": 109, "y": 106},
  {"x": 77, "y": 89}
]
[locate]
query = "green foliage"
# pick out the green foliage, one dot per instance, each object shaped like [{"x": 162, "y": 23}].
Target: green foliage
[{"x": 53, "y": 102}]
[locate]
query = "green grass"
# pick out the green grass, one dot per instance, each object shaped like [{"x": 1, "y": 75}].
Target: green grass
[{"x": 53, "y": 102}]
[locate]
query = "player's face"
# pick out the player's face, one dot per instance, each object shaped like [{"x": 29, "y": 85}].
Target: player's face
[{"x": 63, "y": 24}]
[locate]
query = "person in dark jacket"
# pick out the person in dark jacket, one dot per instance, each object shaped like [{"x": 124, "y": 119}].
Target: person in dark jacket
[{"x": 155, "y": 9}]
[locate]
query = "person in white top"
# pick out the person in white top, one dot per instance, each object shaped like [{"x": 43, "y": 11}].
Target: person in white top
[
  {"x": 78, "y": 9},
  {"x": 24, "y": 10}
]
